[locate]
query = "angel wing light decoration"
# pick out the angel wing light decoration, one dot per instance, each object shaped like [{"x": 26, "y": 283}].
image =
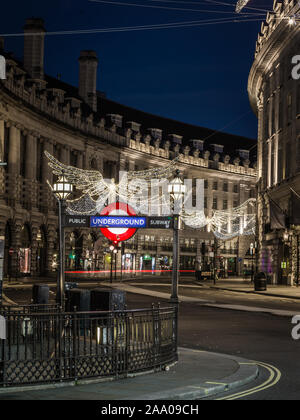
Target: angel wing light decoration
[
  {"x": 240, "y": 5},
  {"x": 226, "y": 224},
  {"x": 96, "y": 190}
]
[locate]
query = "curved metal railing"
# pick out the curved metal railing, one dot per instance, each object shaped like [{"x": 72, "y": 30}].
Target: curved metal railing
[{"x": 58, "y": 346}]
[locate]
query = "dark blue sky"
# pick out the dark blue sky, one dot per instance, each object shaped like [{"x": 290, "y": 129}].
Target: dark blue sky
[{"x": 197, "y": 75}]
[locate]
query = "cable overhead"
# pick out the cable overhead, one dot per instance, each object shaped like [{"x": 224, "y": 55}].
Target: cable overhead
[
  {"x": 174, "y": 25},
  {"x": 117, "y": 3}
]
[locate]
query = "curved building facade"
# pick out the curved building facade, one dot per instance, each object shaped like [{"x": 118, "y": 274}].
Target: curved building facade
[
  {"x": 275, "y": 98},
  {"x": 82, "y": 128}
]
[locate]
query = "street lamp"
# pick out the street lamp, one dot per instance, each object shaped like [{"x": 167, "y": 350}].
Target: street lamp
[
  {"x": 115, "y": 251},
  {"x": 111, "y": 248},
  {"x": 176, "y": 190},
  {"x": 252, "y": 258},
  {"x": 61, "y": 190}
]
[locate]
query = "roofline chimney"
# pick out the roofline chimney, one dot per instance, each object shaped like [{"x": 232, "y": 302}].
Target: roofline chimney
[
  {"x": 88, "y": 66},
  {"x": 34, "y": 37}
]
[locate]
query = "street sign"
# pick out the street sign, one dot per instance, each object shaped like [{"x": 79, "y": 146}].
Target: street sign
[
  {"x": 160, "y": 222},
  {"x": 124, "y": 214},
  {"x": 76, "y": 221},
  {"x": 118, "y": 221}
]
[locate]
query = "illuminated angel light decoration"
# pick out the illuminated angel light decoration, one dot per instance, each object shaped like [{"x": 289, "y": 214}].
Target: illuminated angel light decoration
[
  {"x": 227, "y": 224},
  {"x": 132, "y": 188},
  {"x": 240, "y": 5}
]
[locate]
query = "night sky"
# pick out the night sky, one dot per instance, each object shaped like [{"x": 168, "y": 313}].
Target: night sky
[{"x": 194, "y": 74}]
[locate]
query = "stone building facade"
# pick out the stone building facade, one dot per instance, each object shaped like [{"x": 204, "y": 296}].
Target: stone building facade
[
  {"x": 275, "y": 98},
  {"x": 82, "y": 128}
]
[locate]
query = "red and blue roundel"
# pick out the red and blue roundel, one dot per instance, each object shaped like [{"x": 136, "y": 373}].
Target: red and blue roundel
[{"x": 122, "y": 233}]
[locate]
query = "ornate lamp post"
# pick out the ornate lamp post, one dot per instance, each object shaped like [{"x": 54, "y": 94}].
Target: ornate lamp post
[
  {"x": 61, "y": 190},
  {"x": 176, "y": 190}
]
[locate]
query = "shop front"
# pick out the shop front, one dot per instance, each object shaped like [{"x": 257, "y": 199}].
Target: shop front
[
  {"x": 24, "y": 252},
  {"x": 148, "y": 264}
]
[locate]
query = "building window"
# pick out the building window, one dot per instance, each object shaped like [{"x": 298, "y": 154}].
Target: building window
[
  {"x": 6, "y": 147},
  {"x": 73, "y": 158},
  {"x": 235, "y": 188},
  {"x": 94, "y": 164},
  {"x": 215, "y": 204},
  {"x": 235, "y": 204},
  {"x": 56, "y": 151},
  {"x": 39, "y": 166},
  {"x": 225, "y": 187},
  {"x": 206, "y": 184},
  {"x": 218, "y": 148},
  {"x": 215, "y": 185},
  {"x": 23, "y": 142},
  {"x": 244, "y": 154},
  {"x": 108, "y": 169},
  {"x": 225, "y": 204}
]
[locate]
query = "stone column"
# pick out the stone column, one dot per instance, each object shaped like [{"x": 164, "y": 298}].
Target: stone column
[
  {"x": 2, "y": 168},
  {"x": 260, "y": 138},
  {"x": 14, "y": 164},
  {"x": 30, "y": 168},
  {"x": 31, "y": 157},
  {"x": 14, "y": 150},
  {"x": 2, "y": 140}
]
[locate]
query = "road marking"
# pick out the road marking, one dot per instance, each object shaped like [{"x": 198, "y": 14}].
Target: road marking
[
  {"x": 274, "y": 378},
  {"x": 216, "y": 383}
]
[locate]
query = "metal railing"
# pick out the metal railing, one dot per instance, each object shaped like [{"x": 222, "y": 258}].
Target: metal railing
[
  {"x": 58, "y": 346},
  {"x": 28, "y": 309}
]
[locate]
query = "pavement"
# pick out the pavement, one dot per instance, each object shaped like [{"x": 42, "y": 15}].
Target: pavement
[
  {"x": 197, "y": 375},
  {"x": 245, "y": 286},
  {"x": 237, "y": 284}
]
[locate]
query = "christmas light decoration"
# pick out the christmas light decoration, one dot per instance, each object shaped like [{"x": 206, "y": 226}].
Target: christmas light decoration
[
  {"x": 147, "y": 192},
  {"x": 240, "y": 5},
  {"x": 226, "y": 224},
  {"x": 133, "y": 187}
]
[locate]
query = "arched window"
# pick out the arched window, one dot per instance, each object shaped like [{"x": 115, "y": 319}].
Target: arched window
[
  {"x": 25, "y": 236},
  {"x": 94, "y": 164}
]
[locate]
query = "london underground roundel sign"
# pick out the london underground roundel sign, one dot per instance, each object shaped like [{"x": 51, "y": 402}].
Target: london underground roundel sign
[{"x": 121, "y": 233}]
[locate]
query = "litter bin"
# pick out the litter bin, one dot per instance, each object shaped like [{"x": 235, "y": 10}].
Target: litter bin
[
  {"x": 260, "y": 282},
  {"x": 40, "y": 294}
]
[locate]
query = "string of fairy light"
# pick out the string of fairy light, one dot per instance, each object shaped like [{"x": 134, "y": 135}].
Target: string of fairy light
[
  {"x": 134, "y": 189},
  {"x": 241, "y": 12}
]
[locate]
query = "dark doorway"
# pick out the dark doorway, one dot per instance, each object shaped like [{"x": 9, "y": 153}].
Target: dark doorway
[{"x": 41, "y": 255}]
